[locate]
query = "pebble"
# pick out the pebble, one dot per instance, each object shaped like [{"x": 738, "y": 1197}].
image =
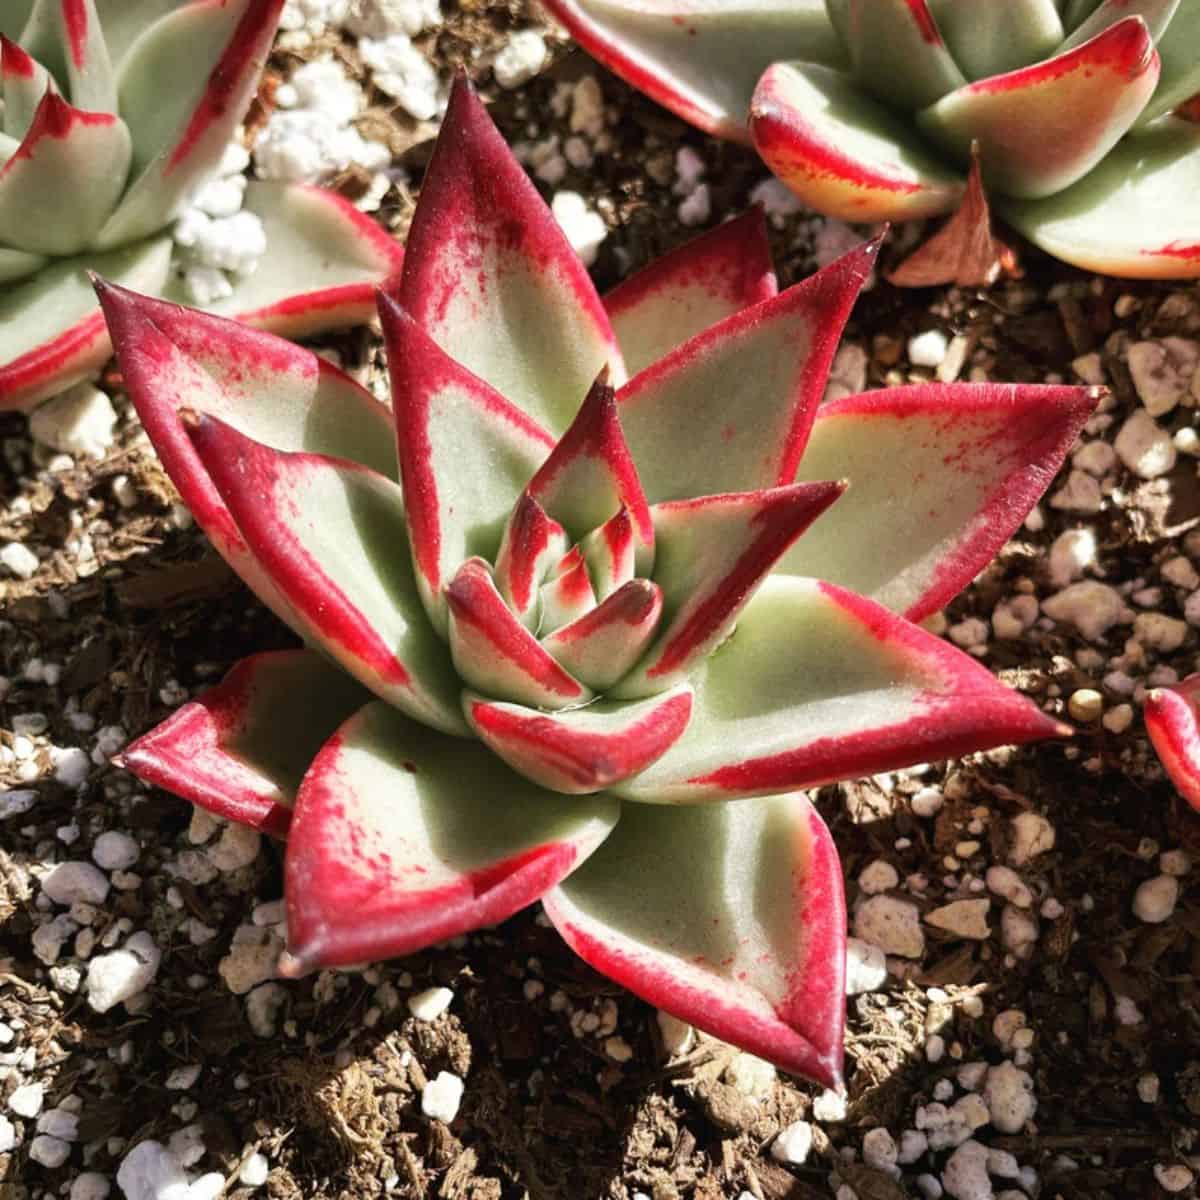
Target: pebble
[
  {"x": 521, "y": 59},
  {"x": 1009, "y": 1096},
  {"x": 880, "y": 1151},
  {"x": 752, "y": 1076},
  {"x": 207, "y": 1187},
  {"x": 891, "y": 924},
  {"x": 113, "y": 851},
  {"x": 49, "y": 1151},
  {"x": 1086, "y": 704},
  {"x": 430, "y": 1004},
  {"x": 1155, "y": 899},
  {"x": 182, "y": 1078},
  {"x": 1018, "y": 931},
  {"x": 1148, "y": 1086},
  {"x": 252, "y": 958},
  {"x": 1159, "y": 632},
  {"x": 80, "y": 420},
  {"x": 1071, "y": 553},
  {"x": 1004, "y": 881},
  {"x": 678, "y": 1036},
  {"x": 19, "y": 559},
  {"x": 1175, "y": 1178},
  {"x": 1161, "y": 372},
  {"x": 583, "y": 226},
  {"x": 8, "y": 1135},
  {"x": 1144, "y": 446},
  {"x": 26, "y": 1100},
  {"x": 965, "y": 1176},
  {"x": 866, "y": 967},
  {"x": 72, "y": 881},
  {"x": 1032, "y": 835},
  {"x": 151, "y": 1172},
  {"x": 878, "y": 876},
  {"x": 793, "y": 1144},
  {"x": 1092, "y": 607},
  {"x": 928, "y": 349},
  {"x": 830, "y": 1106},
  {"x": 964, "y": 918},
  {"x": 91, "y": 1185},
  {"x": 254, "y": 1170},
  {"x": 441, "y": 1097},
  {"x": 117, "y": 977}
]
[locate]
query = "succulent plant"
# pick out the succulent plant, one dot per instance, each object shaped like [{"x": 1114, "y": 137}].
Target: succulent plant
[
  {"x": 867, "y": 109},
  {"x": 1173, "y": 722},
  {"x": 555, "y": 604},
  {"x": 115, "y": 113}
]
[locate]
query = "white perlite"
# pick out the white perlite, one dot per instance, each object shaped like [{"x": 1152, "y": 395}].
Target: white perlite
[
  {"x": 1155, "y": 899},
  {"x": 878, "y": 876},
  {"x": 965, "y": 1176},
  {"x": 1009, "y": 1096},
  {"x": 254, "y": 1170},
  {"x": 793, "y": 1144},
  {"x": 1092, "y": 607},
  {"x": 441, "y": 1097},
  {"x": 751, "y": 1075},
  {"x": 151, "y": 1172},
  {"x": 1162, "y": 372},
  {"x": 927, "y": 349},
  {"x": 1144, "y": 446},
  {"x": 1032, "y": 835},
  {"x": 253, "y": 955},
  {"x": 114, "y": 851},
  {"x": 584, "y": 228},
  {"x": 115, "y": 978},
  {"x": 382, "y": 18},
  {"x": 49, "y": 1151},
  {"x": 404, "y": 73},
  {"x": 430, "y": 1004},
  {"x": 73, "y": 881},
  {"x": 1172, "y": 1178},
  {"x": 891, "y": 924},
  {"x": 8, "y": 1135},
  {"x": 866, "y": 967},
  {"x": 91, "y": 1185},
  {"x": 80, "y": 420},
  {"x": 521, "y": 59},
  {"x": 26, "y": 1101},
  {"x": 19, "y": 559}
]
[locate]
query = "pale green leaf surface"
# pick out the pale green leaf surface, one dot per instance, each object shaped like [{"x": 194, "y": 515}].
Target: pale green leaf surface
[
  {"x": 1179, "y": 78},
  {"x": 15, "y": 13},
  {"x": 898, "y": 53},
  {"x": 22, "y": 94},
  {"x": 989, "y": 37},
  {"x": 1130, "y": 216},
  {"x": 17, "y": 264},
  {"x": 1157, "y": 14},
  {"x": 123, "y": 21}
]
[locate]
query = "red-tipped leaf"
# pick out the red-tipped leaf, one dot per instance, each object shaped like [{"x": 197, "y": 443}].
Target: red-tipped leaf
[{"x": 1173, "y": 724}]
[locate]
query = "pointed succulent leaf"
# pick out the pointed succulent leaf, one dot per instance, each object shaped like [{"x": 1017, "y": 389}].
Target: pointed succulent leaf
[
  {"x": 611, "y": 554},
  {"x": 465, "y": 456},
  {"x": 51, "y": 332},
  {"x": 90, "y": 80},
  {"x": 730, "y": 410},
  {"x": 568, "y": 594},
  {"x": 697, "y": 58},
  {"x": 590, "y": 475},
  {"x": 531, "y": 545},
  {"x": 23, "y": 85},
  {"x": 1124, "y": 217},
  {"x": 1157, "y": 15},
  {"x": 989, "y": 37},
  {"x": 713, "y": 553},
  {"x": 603, "y": 645},
  {"x": 402, "y": 837},
  {"x": 329, "y": 535},
  {"x": 275, "y": 392},
  {"x": 90, "y": 150},
  {"x": 844, "y": 153},
  {"x": 1043, "y": 127},
  {"x": 731, "y": 917},
  {"x": 324, "y": 263},
  {"x": 495, "y": 653},
  {"x": 819, "y": 684},
  {"x": 1179, "y": 77},
  {"x": 491, "y": 277},
  {"x": 898, "y": 52},
  {"x": 682, "y": 293},
  {"x": 180, "y": 133},
  {"x": 1173, "y": 724},
  {"x": 241, "y": 748},
  {"x": 940, "y": 476},
  {"x": 582, "y": 750}
]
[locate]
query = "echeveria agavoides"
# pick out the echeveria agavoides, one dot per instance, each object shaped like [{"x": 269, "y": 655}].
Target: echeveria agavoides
[
  {"x": 115, "y": 113},
  {"x": 867, "y": 109},
  {"x": 606, "y": 565}
]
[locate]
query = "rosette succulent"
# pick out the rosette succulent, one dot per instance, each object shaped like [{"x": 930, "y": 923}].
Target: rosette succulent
[
  {"x": 867, "y": 109},
  {"x": 598, "y": 572},
  {"x": 115, "y": 113}
]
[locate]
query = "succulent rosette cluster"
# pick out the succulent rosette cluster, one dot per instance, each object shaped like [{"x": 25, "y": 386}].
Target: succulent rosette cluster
[
  {"x": 867, "y": 109},
  {"x": 590, "y": 605},
  {"x": 115, "y": 113}
]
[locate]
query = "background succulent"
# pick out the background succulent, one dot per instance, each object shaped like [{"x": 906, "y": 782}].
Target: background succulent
[
  {"x": 1173, "y": 723},
  {"x": 569, "y": 612},
  {"x": 115, "y": 113},
  {"x": 867, "y": 108}
]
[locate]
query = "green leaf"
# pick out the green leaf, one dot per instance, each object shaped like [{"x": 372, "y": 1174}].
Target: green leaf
[
  {"x": 1179, "y": 78},
  {"x": 14, "y": 14},
  {"x": 731, "y": 917},
  {"x": 989, "y": 37},
  {"x": 1131, "y": 215},
  {"x": 402, "y": 837},
  {"x": 124, "y": 20},
  {"x": 1157, "y": 14},
  {"x": 898, "y": 52},
  {"x": 16, "y": 264},
  {"x": 817, "y": 685}
]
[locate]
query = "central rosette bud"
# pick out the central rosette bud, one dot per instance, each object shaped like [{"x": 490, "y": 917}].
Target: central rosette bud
[{"x": 567, "y": 610}]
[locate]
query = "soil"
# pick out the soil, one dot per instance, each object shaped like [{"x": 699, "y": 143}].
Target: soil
[{"x": 130, "y": 611}]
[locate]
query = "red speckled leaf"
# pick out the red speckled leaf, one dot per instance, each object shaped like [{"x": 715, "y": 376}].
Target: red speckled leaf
[
  {"x": 818, "y": 684},
  {"x": 940, "y": 476},
  {"x": 491, "y": 277},
  {"x": 1172, "y": 722},
  {"x": 684, "y": 292},
  {"x": 241, "y": 748},
  {"x": 402, "y": 837},
  {"x": 731, "y": 917}
]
